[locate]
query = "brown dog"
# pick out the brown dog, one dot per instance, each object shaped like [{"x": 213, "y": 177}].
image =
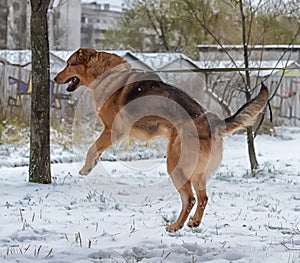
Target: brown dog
[{"x": 140, "y": 105}]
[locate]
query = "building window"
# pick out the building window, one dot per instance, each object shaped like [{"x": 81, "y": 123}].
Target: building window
[
  {"x": 57, "y": 14},
  {"x": 84, "y": 20},
  {"x": 16, "y": 6},
  {"x": 99, "y": 31}
]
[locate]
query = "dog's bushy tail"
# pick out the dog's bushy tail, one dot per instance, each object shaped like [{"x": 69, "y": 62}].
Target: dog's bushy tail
[{"x": 248, "y": 113}]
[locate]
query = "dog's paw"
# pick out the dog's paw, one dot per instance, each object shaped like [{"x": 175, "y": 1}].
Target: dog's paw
[
  {"x": 193, "y": 223},
  {"x": 173, "y": 228},
  {"x": 87, "y": 168},
  {"x": 85, "y": 171}
]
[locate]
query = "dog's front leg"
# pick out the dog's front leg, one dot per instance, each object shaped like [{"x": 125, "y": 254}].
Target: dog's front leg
[{"x": 98, "y": 147}]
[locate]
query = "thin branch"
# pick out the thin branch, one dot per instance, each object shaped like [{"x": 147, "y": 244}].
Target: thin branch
[
  {"x": 213, "y": 36},
  {"x": 289, "y": 248},
  {"x": 245, "y": 48},
  {"x": 158, "y": 30},
  {"x": 282, "y": 75}
]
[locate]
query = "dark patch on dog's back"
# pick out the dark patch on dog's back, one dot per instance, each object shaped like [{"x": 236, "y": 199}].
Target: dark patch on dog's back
[{"x": 150, "y": 84}]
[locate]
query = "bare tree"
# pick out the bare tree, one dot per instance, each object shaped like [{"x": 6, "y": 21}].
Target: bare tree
[
  {"x": 39, "y": 166},
  {"x": 180, "y": 25},
  {"x": 245, "y": 13},
  {"x": 247, "y": 89}
]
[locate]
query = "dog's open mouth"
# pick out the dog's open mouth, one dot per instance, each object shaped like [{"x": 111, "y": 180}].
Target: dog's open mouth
[{"x": 72, "y": 84}]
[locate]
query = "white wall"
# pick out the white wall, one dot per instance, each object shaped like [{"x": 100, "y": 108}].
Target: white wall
[{"x": 66, "y": 25}]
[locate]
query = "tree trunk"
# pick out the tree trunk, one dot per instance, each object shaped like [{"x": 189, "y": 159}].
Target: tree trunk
[
  {"x": 250, "y": 137},
  {"x": 251, "y": 151},
  {"x": 39, "y": 165}
]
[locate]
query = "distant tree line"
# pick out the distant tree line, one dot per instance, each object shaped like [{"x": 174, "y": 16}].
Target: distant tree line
[{"x": 179, "y": 25}]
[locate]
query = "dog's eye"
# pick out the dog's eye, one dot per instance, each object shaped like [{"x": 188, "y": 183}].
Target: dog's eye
[{"x": 73, "y": 63}]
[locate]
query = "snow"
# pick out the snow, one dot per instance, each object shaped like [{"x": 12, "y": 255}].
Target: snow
[
  {"x": 119, "y": 212},
  {"x": 267, "y": 67},
  {"x": 158, "y": 61}
]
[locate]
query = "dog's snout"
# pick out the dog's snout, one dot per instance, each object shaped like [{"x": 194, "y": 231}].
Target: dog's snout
[{"x": 57, "y": 79}]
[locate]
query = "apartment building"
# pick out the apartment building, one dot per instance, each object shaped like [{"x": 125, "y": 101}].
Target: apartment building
[
  {"x": 3, "y": 23},
  {"x": 64, "y": 18},
  {"x": 96, "y": 19},
  {"x": 14, "y": 24},
  {"x": 71, "y": 23}
]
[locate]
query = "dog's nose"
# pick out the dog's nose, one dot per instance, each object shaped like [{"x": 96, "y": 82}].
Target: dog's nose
[{"x": 55, "y": 78}]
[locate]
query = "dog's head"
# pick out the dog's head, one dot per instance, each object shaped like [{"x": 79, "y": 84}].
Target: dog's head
[{"x": 84, "y": 66}]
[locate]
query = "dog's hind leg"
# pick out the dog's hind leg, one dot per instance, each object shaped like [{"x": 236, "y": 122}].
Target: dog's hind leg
[
  {"x": 188, "y": 201},
  {"x": 180, "y": 181},
  {"x": 98, "y": 147},
  {"x": 202, "y": 200}
]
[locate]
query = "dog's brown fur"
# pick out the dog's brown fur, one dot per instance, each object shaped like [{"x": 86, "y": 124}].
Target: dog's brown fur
[{"x": 116, "y": 85}]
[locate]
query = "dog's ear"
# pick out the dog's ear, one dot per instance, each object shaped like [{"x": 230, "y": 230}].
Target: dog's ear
[{"x": 84, "y": 55}]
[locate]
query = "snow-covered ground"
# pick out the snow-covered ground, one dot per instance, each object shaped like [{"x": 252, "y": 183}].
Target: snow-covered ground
[{"x": 119, "y": 212}]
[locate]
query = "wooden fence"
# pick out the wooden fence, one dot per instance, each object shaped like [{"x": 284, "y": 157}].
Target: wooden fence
[{"x": 15, "y": 95}]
